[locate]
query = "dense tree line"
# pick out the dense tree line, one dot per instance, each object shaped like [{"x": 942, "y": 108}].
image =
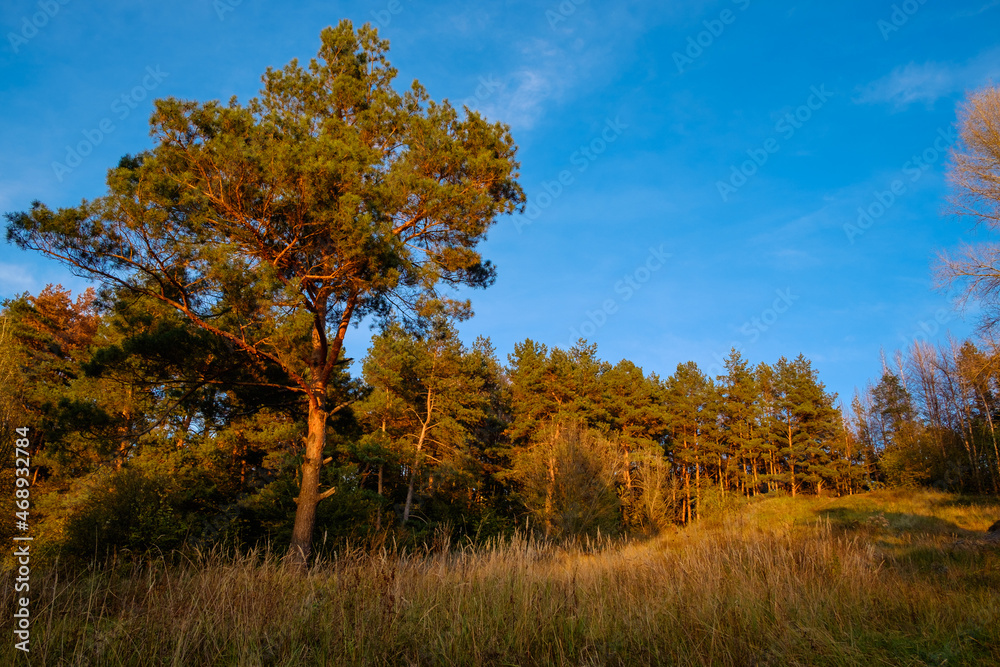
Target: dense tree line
[
  {"x": 149, "y": 432},
  {"x": 146, "y": 431}
]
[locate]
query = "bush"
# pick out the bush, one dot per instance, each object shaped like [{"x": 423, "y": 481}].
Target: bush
[{"x": 131, "y": 511}]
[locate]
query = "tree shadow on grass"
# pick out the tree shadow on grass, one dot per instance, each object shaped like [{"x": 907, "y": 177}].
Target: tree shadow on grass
[
  {"x": 898, "y": 523},
  {"x": 969, "y": 501},
  {"x": 927, "y": 547}
]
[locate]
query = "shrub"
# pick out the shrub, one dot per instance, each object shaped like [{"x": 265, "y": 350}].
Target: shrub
[{"x": 132, "y": 511}]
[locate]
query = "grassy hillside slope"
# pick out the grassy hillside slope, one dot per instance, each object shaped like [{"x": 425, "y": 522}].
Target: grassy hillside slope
[{"x": 888, "y": 578}]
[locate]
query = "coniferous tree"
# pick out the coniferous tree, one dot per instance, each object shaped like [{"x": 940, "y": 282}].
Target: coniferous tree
[
  {"x": 688, "y": 398},
  {"x": 637, "y": 423},
  {"x": 896, "y": 435},
  {"x": 276, "y": 224},
  {"x": 49, "y": 335},
  {"x": 805, "y": 423},
  {"x": 550, "y": 393},
  {"x": 426, "y": 399},
  {"x": 739, "y": 419},
  {"x": 824, "y": 430},
  {"x": 764, "y": 377}
]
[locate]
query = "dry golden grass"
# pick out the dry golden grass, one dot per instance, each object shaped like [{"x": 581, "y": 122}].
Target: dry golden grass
[{"x": 881, "y": 579}]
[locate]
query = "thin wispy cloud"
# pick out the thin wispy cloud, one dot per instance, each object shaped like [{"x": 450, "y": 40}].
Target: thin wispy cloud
[
  {"x": 521, "y": 96},
  {"x": 928, "y": 82},
  {"x": 519, "y": 99},
  {"x": 912, "y": 83},
  {"x": 992, "y": 4}
]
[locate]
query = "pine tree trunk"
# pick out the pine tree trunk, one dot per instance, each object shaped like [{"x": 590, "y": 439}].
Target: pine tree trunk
[
  {"x": 687, "y": 493},
  {"x": 550, "y": 490},
  {"x": 743, "y": 477},
  {"x": 627, "y": 500},
  {"x": 791, "y": 459},
  {"x": 721, "y": 484},
  {"x": 628, "y": 472},
  {"x": 378, "y": 517},
  {"x": 409, "y": 494},
  {"x": 309, "y": 496},
  {"x": 415, "y": 468},
  {"x": 697, "y": 490},
  {"x": 673, "y": 492},
  {"x": 729, "y": 472}
]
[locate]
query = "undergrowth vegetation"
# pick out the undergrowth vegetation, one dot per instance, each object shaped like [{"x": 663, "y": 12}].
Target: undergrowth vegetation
[{"x": 883, "y": 578}]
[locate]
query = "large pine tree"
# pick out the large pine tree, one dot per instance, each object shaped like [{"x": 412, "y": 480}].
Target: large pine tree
[{"x": 276, "y": 224}]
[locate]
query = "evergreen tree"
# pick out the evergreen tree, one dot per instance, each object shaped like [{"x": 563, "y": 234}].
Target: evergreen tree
[
  {"x": 490, "y": 446},
  {"x": 551, "y": 392},
  {"x": 805, "y": 423},
  {"x": 688, "y": 399},
  {"x": 740, "y": 415},
  {"x": 638, "y": 425},
  {"x": 276, "y": 224},
  {"x": 427, "y": 396},
  {"x": 770, "y": 442}
]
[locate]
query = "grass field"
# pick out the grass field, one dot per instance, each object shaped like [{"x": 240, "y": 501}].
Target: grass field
[{"x": 888, "y": 578}]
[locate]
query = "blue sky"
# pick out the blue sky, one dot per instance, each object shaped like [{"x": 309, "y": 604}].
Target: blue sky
[{"x": 701, "y": 175}]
